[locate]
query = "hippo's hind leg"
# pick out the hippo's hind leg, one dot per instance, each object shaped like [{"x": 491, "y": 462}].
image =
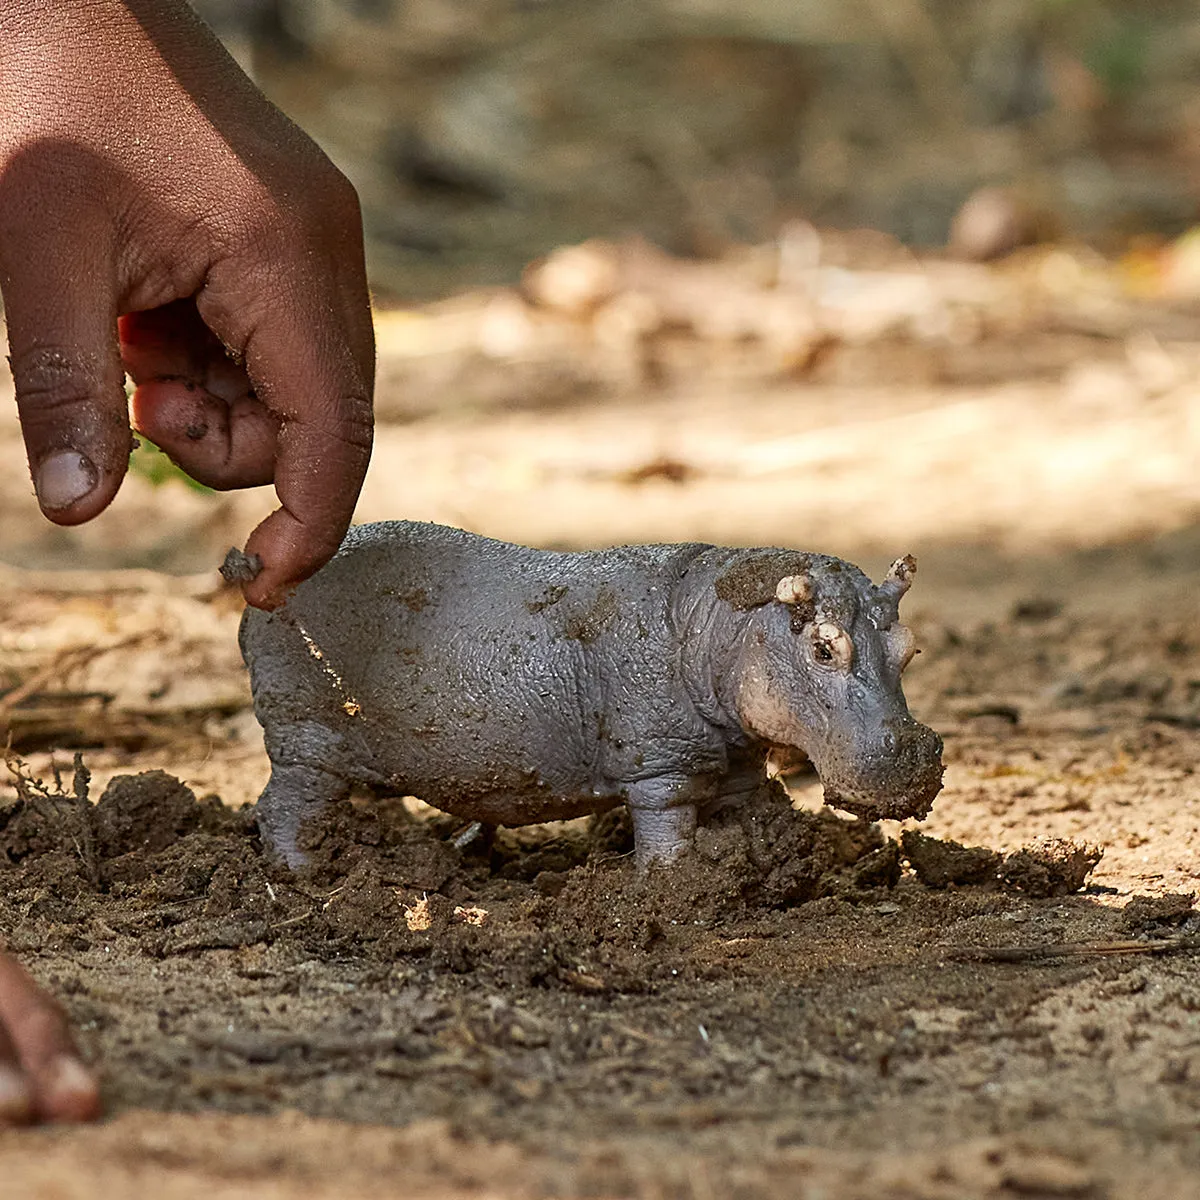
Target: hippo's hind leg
[
  {"x": 294, "y": 794},
  {"x": 664, "y": 819},
  {"x": 310, "y": 767}
]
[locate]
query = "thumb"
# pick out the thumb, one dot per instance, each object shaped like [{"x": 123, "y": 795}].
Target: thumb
[{"x": 60, "y": 305}]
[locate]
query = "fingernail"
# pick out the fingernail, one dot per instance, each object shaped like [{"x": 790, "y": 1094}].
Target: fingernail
[
  {"x": 64, "y": 478},
  {"x": 69, "y": 1091},
  {"x": 16, "y": 1102}
]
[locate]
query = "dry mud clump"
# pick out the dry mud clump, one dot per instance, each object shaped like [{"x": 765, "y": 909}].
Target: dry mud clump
[{"x": 1046, "y": 867}]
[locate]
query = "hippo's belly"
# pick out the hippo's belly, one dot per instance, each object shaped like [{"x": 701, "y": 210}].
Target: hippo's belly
[{"x": 487, "y": 736}]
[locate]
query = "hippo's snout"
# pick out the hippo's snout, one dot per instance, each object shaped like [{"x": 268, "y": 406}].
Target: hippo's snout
[{"x": 898, "y": 778}]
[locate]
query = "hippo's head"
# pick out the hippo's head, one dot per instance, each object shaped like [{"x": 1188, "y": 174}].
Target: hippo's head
[{"x": 819, "y": 671}]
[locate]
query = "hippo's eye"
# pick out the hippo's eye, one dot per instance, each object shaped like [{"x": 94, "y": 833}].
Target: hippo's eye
[{"x": 831, "y": 646}]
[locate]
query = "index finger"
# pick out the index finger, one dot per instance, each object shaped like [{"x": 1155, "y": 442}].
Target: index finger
[
  {"x": 303, "y": 345},
  {"x": 36, "y": 1040}
]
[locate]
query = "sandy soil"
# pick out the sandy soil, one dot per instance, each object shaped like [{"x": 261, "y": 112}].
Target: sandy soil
[{"x": 800, "y": 1012}]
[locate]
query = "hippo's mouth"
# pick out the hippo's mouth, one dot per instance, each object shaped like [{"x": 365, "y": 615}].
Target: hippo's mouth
[
  {"x": 895, "y": 794},
  {"x": 884, "y": 803},
  {"x": 787, "y": 760}
]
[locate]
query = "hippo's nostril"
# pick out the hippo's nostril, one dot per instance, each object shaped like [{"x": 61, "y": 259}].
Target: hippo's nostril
[
  {"x": 911, "y": 746},
  {"x": 927, "y": 742}
]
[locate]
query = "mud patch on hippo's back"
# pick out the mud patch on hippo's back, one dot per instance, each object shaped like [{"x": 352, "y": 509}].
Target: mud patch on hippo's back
[
  {"x": 749, "y": 581},
  {"x": 586, "y": 626},
  {"x": 550, "y": 597},
  {"x": 414, "y": 599}
]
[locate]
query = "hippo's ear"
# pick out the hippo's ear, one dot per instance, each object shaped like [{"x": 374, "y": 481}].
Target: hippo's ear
[
  {"x": 901, "y": 645},
  {"x": 793, "y": 589},
  {"x": 899, "y": 577}
]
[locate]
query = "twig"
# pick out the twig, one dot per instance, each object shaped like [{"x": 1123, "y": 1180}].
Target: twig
[
  {"x": 292, "y": 921},
  {"x": 1019, "y": 954},
  {"x": 75, "y": 583},
  {"x": 66, "y": 660},
  {"x": 86, "y": 846},
  {"x": 32, "y": 791}
]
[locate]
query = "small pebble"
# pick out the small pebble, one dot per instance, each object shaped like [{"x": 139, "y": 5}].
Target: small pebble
[{"x": 240, "y": 567}]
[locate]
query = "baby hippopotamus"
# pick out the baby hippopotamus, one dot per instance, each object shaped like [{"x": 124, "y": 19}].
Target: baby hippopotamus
[{"x": 511, "y": 685}]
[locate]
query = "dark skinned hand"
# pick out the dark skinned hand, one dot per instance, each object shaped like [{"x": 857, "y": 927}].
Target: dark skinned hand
[
  {"x": 143, "y": 179},
  {"x": 42, "y": 1077},
  {"x": 158, "y": 217}
]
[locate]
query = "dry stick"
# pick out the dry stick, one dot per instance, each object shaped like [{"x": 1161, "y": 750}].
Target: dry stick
[
  {"x": 292, "y": 920},
  {"x": 70, "y": 659},
  {"x": 124, "y": 580},
  {"x": 70, "y": 715},
  {"x": 31, "y": 791},
  {"x": 86, "y": 845},
  {"x": 1020, "y": 954}
]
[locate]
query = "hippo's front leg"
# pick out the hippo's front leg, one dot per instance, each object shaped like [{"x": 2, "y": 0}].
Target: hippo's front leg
[{"x": 664, "y": 818}]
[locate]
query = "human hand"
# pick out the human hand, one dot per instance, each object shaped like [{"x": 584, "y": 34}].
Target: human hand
[
  {"x": 144, "y": 178},
  {"x": 42, "y": 1077}
]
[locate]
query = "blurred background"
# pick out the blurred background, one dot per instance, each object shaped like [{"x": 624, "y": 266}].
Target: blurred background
[
  {"x": 869, "y": 276},
  {"x": 481, "y": 133}
]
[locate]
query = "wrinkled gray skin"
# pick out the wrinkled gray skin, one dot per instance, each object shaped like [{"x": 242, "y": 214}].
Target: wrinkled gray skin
[{"x": 513, "y": 686}]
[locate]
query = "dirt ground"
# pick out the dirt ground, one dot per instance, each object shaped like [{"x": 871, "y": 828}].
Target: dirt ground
[{"x": 810, "y": 1007}]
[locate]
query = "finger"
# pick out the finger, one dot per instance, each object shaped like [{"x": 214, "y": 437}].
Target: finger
[
  {"x": 303, "y": 362},
  {"x": 16, "y": 1097},
  {"x": 318, "y": 476},
  {"x": 194, "y": 402},
  {"x": 60, "y": 303},
  {"x": 221, "y": 443},
  {"x": 63, "y": 1089},
  {"x": 354, "y": 297}
]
